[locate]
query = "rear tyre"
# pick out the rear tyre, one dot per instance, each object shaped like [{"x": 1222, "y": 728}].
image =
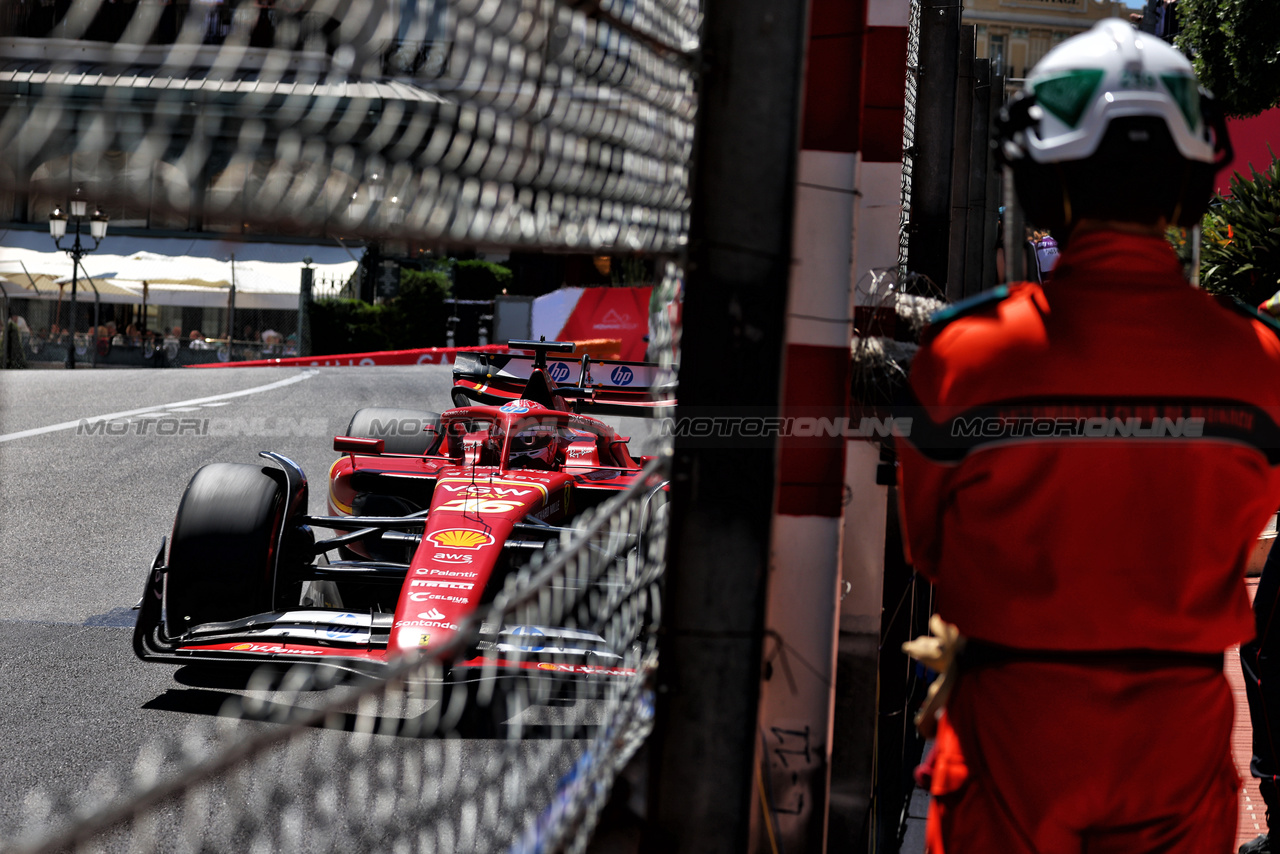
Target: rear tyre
[
  {"x": 401, "y": 430},
  {"x": 224, "y": 538}
]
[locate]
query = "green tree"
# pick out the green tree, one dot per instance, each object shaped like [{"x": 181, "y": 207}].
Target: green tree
[
  {"x": 415, "y": 318},
  {"x": 348, "y": 326},
  {"x": 1240, "y": 239},
  {"x": 1235, "y": 46},
  {"x": 479, "y": 279},
  {"x": 419, "y": 311}
]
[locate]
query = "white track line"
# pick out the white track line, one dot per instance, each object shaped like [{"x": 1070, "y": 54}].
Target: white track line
[{"x": 112, "y": 416}]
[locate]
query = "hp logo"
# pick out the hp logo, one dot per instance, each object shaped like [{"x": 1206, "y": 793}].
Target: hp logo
[
  {"x": 558, "y": 371},
  {"x": 622, "y": 375}
]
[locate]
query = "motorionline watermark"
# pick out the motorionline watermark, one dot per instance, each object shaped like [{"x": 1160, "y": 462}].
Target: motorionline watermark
[
  {"x": 964, "y": 429},
  {"x": 1079, "y": 427},
  {"x": 166, "y": 426},
  {"x": 731, "y": 430},
  {"x": 783, "y": 427}
]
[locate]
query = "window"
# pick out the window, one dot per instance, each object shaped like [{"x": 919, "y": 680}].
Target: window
[{"x": 997, "y": 55}]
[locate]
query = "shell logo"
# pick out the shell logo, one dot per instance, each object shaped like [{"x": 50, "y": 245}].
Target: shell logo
[
  {"x": 546, "y": 666},
  {"x": 241, "y": 647},
  {"x": 460, "y": 538}
]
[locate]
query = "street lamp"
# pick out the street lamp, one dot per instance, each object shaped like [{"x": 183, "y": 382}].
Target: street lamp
[{"x": 58, "y": 230}]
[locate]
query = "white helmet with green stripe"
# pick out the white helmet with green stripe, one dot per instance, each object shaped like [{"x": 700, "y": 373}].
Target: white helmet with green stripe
[
  {"x": 1113, "y": 70},
  {"x": 1113, "y": 112}
]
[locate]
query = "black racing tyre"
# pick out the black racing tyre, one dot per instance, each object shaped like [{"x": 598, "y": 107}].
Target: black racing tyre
[
  {"x": 224, "y": 539},
  {"x": 401, "y": 430},
  {"x": 492, "y": 714}
]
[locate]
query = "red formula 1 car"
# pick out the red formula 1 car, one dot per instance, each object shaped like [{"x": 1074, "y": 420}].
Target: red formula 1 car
[{"x": 433, "y": 512}]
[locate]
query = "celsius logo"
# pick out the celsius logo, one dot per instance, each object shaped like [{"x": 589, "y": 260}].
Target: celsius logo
[
  {"x": 558, "y": 371},
  {"x": 622, "y": 375},
  {"x": 433, "y": 614}
]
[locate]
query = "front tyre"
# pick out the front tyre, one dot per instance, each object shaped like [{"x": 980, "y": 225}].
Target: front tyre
[{"x": 225, "y": 537}]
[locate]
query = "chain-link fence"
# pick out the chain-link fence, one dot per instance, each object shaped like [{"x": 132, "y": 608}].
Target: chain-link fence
[
  {"x": 522, "y": 122},
  {"x": 909, "y": 152},
  {"x": 108, "y": 335},
  {"x": 396, "y": 764},
  {"x": 551, "y": 124}
]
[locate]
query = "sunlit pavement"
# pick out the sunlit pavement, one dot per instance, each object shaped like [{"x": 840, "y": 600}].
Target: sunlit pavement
[{"x": 1252, "y": 809}]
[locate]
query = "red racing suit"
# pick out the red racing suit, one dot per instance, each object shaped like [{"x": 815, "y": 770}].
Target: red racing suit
[{"x": 1088, "y": 465}]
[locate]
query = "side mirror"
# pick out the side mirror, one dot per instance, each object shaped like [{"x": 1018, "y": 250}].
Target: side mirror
[{"x": 353, "y": 445}]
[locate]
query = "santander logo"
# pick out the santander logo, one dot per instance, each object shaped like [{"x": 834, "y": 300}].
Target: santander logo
[{"x": 433, "y": 614}]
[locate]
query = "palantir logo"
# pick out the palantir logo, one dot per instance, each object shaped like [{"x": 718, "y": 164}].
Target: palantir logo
[
  {"x": 558, "y": 371},
  {"x": 622, "y": 375}
]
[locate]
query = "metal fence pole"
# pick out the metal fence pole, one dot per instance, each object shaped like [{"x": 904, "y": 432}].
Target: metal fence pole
[
  {"x": 929, "y": 237},
  {"x": 977, "y": 241},
  {"x": 1015, "y": 226},
  {"x": 963, "y": 161},
  {"x": 995, "y": 187},
  {"x": 304, "y": 308},
  {"x": 743, "y": 196},
  {"x": 4, "y": 326}
]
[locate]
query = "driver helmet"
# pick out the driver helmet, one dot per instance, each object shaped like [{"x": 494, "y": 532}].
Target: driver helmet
[
  {"x": 534, "y": 448},
  {"x": 1112, "y": 125}
]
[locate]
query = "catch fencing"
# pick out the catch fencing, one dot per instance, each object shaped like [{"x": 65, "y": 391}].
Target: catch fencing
[{"x": 540, "y": 124}]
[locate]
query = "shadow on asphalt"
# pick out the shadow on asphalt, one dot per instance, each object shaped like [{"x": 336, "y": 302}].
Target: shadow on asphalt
[{"x": 211, "y": 696}]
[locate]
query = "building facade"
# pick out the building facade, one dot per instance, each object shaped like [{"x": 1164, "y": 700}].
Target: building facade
[{"x": 1017, "y": 33}]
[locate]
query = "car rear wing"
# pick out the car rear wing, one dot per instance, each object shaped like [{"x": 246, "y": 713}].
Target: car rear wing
[{"x": 611, "y": 387}]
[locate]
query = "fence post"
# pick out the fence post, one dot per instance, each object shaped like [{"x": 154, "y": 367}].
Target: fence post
[
  {"x": 976, "y": 276},
  {"x": 703, "y": 753},
  {"x": 963, "y": 162},
  {"x": 929, "y": 240},
  {"x": 4, "y": 327},
  {"x": 304, "y": 308},
  {"x": 995, "y": 187}
]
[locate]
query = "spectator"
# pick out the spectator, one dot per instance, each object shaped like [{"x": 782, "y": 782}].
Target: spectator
[
  {"x": 1042, "y": 255},
  {"x": 197, "y": 340},
  {"x": 1092, "y": 570},
  {"x": 272, "y": 342}
]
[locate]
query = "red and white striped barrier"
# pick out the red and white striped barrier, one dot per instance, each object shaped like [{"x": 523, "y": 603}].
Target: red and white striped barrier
[{"x": 421, "y": 356}]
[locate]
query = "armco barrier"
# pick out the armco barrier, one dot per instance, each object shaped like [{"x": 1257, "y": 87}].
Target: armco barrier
[{"x": 422, "y": 356}]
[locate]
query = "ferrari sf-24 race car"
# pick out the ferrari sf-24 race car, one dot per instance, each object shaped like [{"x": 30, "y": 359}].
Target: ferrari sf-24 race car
[{"x": 431, "y": 513}]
